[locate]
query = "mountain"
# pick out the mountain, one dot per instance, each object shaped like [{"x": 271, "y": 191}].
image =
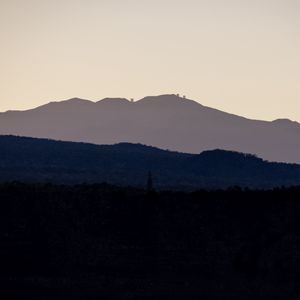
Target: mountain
[
  {"x": 42, "y": 160},
  {"x": 166, "y": 122}
]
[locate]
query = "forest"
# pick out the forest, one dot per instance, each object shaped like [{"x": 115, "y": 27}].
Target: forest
[
  {"x": 99, "y": 241},
  {"x": 41, "y": 160}
]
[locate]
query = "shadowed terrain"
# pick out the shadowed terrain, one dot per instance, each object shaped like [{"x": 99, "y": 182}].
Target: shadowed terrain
[
  {"x": 41, "y": 160},
  {"x": 104, "y": 242},
  {"x": 166, "y": 122}
]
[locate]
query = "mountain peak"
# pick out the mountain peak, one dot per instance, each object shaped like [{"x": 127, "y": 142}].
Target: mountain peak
[
  {"x": 286, "y": 123},
  {"x": 227, "y": 155},
  {"x": 76, "y": 99},
  {"x": 113, "y": 101},
  {"x": 73, "y": 100},
  {"x": 57, "y": 105},
  {"x": 168, "y": 101},
  {"x": 164, "y": 97}
]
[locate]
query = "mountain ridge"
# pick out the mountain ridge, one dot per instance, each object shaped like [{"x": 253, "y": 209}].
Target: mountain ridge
[
  {"x": 42, "y": 160},
  {"x": 147, "y": 98},
  {"x": 166, "y": 121},
  {"x": 143, "y": 100}
]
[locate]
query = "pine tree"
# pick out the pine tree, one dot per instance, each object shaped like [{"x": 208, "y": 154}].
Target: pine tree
[{"x": 150, "y": 182}]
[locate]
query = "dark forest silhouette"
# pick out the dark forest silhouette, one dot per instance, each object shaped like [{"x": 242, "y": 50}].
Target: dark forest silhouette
[
  {"x": 105, "y": 242},
  {"x": 41, "y": 160},
  {"x": 172, "y": 226}
]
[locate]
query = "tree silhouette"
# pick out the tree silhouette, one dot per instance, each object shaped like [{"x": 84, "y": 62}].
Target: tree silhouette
[{"x": 150, "y": 182}]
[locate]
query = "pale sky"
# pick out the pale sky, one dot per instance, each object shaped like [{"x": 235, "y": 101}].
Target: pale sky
[{"x": 240, "y": 56}]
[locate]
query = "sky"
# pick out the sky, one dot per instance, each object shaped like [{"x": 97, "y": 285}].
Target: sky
[{"x": 240, "y": 56}]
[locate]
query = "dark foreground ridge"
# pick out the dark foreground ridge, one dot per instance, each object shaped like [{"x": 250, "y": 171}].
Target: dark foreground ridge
[
  {"x": 104, "y": 242},
  {"x": 41, "y": 160}
]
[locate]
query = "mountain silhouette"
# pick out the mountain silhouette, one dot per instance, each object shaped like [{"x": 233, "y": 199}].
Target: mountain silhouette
[
  {"x": 166, "y": 121},
  {"x": 42, "y": 160}
]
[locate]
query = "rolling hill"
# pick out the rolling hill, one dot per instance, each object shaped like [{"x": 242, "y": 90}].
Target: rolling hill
[{"x": 42, "y": 160}]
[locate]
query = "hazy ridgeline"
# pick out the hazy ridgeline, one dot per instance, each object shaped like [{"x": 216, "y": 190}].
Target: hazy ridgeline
[
  {"x": 105, "y": 242},
  {"x": 166, "y": 121}
]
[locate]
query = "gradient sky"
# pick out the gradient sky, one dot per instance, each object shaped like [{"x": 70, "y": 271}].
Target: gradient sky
[{"x": 241, "y": 56}]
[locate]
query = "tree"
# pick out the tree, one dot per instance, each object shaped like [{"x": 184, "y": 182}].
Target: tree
[{"x": 149, "y": 182}]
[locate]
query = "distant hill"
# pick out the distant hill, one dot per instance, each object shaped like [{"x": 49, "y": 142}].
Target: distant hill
[
  {"x": 166, "y": 122},
  {"x": 41, "y": 160}
]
